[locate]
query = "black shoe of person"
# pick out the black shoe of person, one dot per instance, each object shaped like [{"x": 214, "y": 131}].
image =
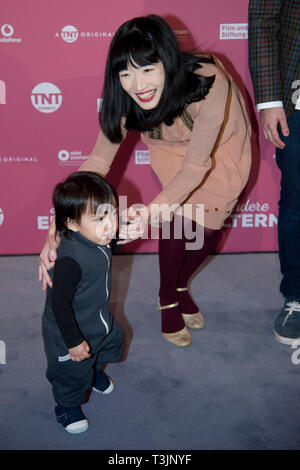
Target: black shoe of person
[
  {"x": 72, "y": 419},
  {"x": 287, "y": 323},
  {"x": 103, "y": 383}
]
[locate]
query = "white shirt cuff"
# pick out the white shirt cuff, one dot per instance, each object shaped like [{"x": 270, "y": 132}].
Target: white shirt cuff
[{"x": 269, "y": 104}]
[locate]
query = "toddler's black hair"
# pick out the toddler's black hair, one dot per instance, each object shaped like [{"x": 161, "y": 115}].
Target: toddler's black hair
[{"x": 82, "y": 191}]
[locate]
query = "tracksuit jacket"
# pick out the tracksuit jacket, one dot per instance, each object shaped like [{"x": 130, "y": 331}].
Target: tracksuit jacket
[{"x": 77, "y": 309}]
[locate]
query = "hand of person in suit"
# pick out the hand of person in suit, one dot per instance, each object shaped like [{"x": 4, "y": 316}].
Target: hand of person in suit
[{"x": 270, "y": 118}]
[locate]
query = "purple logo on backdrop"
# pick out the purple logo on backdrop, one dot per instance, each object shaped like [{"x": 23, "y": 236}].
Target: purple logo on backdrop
[
  {"x": 46, "y": 97},
  {"x": 2, "y": 92}
]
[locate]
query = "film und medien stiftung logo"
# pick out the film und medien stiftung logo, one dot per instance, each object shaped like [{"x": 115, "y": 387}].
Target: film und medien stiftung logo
[
  {"x": 142, "y": 157},
  {"x": 46, "y": 97},
  {"x": 234, "y": 31},
  {"x": 1, "y": 217},
  {"x": 7, "y": 34},
  {"x": 70, "y": 34}
]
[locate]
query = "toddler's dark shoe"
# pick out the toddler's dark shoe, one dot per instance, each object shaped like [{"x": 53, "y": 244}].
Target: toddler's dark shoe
[
  {"x": 72, "y": 419},
  {"x": 103, "y": 383},
  {"x": 287, "y": 323}
]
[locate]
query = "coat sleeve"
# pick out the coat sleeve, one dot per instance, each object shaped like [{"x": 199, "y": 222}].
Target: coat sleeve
[
  {"x": 101, "y": 156},
  {"x": 66, "y": 276},
  {"x": 264, "y": 35},
  {"x": 197, "y": 161}
]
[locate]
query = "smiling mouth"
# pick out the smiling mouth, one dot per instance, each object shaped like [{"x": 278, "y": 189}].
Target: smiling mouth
[{"x": 147, "y": 95}]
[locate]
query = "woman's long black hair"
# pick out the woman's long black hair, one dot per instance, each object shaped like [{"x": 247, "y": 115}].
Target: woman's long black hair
[{"x": 144, "y": 41}]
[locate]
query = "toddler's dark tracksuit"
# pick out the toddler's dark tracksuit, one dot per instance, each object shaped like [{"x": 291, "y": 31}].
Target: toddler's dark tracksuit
[{"x": 77, "y": 309}]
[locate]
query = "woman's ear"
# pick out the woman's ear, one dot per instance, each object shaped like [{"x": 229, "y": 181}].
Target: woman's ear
[{"x": 72, "y": 225}]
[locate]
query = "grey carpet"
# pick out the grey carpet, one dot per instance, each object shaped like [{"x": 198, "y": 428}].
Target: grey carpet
[{"x": 235, "y": 387}]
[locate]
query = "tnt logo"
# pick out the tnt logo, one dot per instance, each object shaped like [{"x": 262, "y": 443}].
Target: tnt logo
[
  {"x": 2, "y": 352},
  {"x": 69, "y": 34},
  {"x": 2, "y": 92},
  {"x": 46, "y": 97}
]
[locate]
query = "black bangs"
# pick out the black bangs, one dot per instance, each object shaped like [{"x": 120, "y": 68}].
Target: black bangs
[
  {"x": 135, "y": 49},
  {"x": 140, "y": 42},
  {"x": 81, "y": 192}
]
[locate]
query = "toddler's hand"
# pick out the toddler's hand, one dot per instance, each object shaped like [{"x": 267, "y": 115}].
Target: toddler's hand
[{"x": 80, "y": 352}]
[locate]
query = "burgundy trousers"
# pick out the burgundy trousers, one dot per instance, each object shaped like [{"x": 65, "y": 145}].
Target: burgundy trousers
[{"x": 177, "y": 264}]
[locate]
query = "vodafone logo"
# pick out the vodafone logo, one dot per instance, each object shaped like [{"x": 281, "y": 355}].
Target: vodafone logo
[
  {"x": 1, "y": 217},
  {"x": 7, "y": 34},
  {"x": 46, "y": 97},
  {"x": 69, "y": 34},
  {"x": 7, "y": 30}
]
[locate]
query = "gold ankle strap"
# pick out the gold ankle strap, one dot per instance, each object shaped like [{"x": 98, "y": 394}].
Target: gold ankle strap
[
  {"x": 167, "y": 306},
  {"x": 182, "y": 289}
]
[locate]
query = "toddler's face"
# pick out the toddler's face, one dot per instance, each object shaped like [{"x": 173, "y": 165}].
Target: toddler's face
[{"x": 101, "y": 227}]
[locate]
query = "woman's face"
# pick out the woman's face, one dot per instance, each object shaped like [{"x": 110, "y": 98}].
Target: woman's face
[{"x": 144, "y": 84}]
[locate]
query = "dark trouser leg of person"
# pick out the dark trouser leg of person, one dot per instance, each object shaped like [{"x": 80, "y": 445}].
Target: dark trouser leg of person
[
  {"x": 171, "y": 252},
  {"x": 70, "y": 380},
  {"x": 111, "y": 351},
  {"x": 192, "y": 261},
  {"x": 287, "y": 323}
]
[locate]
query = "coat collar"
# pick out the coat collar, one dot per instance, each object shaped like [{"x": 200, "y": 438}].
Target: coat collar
[{"x": 82, "y": 239}]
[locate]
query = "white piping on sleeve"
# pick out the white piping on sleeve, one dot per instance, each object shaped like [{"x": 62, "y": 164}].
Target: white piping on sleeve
[{"x": 104, "y": 322}]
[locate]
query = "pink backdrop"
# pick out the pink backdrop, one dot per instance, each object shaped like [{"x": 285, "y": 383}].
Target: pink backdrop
[{"x": 58, "y": 48}]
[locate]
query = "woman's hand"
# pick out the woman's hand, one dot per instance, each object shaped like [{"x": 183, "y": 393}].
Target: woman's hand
[
  {"x": 48, "y": 256},
  {"x": 134, "y": 222},
  {"x": 80, "y": 352}
]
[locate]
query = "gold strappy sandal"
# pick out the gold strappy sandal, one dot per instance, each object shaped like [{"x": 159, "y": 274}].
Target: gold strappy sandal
[
  {"x": 179, "y": 338},
  {"x": 194, "y": 321}
]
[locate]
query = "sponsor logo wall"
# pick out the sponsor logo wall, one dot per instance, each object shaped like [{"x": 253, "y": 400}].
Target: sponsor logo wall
[{"x": 51, "y": 77}]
